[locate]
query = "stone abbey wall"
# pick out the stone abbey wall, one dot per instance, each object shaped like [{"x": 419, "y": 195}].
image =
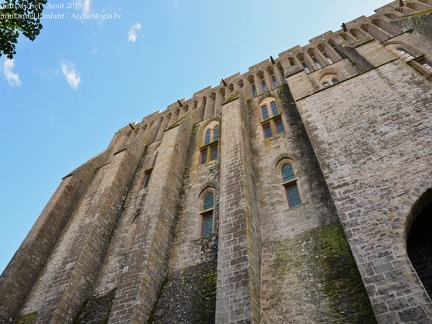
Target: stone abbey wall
[{"x": 126, "y": 238}]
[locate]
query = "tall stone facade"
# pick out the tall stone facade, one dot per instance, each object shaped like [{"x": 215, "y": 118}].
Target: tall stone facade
[{"x": 286, "y": 194}]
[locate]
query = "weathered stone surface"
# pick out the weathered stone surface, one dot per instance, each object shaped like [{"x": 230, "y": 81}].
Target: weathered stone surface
[
  {"x": 311, "y": 278},
  {"x": 96, "y": 310},
  {"x": 122, "y": 239}
]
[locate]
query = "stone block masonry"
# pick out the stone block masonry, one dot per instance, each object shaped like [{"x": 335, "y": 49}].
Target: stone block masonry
[
  {"x": 375, "y": 151},
  {"x": 24, "y": 269},
  {"x": 317, "y": 165},
  {"x": 68, "y": 279},
  {"x": 239, "y": 258},
  {"x": 147, "y": 264}
]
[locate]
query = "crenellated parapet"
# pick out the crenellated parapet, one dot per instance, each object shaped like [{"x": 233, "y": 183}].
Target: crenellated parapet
[
  {"x": 281, "y": 193},
  {"x": 328, "y": 59}
]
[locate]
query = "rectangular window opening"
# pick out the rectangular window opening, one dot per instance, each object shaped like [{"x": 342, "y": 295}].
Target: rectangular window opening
[
  {"x": 264, "y": 112},
  {"x": 204, "y": 156},
  {"x": 274, "y": 108},
  {"x": 207, "y": 137},
  {"x": 275, "y": 84},
  {"x": 264, "y": 86},
  {"x": 279, "y": 125},
  {"x": 427, "y": 65},
  {"x": 267, "y": 130},
  {"x": 207, "y": 224},
  {"x": 214, "y": 152},
  {"x": 147, "y": 178},
  {"x": 293, "y": 195}
]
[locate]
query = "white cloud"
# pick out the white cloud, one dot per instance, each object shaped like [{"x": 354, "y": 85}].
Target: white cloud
[
  {"x": 70, "y": 75},
  {"x": 132, "y": 35},
  {"x": 177, "y": 3},
  {"x": 86, "y": 7},
  {"x": 11, "y": 77}
]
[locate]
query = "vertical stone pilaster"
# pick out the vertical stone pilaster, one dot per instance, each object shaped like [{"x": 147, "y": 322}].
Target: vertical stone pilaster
[
  {"x": 69, "y": 274},
  {"x": 209, "y": 108},
  {"x": 147, "y": 263},
  {"x": 22, "y": 272},
  {"x": 239, "y": 237}
]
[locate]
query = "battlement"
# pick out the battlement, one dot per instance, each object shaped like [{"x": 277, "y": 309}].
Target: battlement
[
  {"x": 285, "y": 193},
  {"x": 323, "y": 52}
]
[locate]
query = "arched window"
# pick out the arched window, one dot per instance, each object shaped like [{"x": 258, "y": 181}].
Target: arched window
[
  {"x": 147, "y": 174},
  {"x": 271, "y": 123},
  {"x": 404, "y": 54},
  {"x": 287, "y": 172},
  {"x": 264, "y": 112},
  {"x": 264, "y": 86},
  {"x": 329, "y": 60},
  {"x": 254, "y": 91},
  {"x": 208, "y": 201},
  {"x": 307, "y": 70},
  {"x": 207, "y": 137},
  {"x": 426, "y": 64},
  {"x": 289, "y": 181},
  {"x": 274, "y": 108},
  {"x": 216, "y": 133},
  {"x": 318, "y": 65},
  {"x": 275, "y": 84},
  {"x": 419, "y": 240},
  {"x": 207, "y": 226},
  {"x": 328, "y": 78},
  {"x": 210, "y": 150},
  {"x": 419, "y": 61}
]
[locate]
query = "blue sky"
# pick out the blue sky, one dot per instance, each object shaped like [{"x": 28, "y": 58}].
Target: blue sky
[{"x": 64, "y": 95}]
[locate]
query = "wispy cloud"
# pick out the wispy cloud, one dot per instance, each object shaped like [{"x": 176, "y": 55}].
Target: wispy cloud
[
  {"x": 11, "y": 77},
  {"x": 48, "y": 74},
  {"x": 70, "y": 75},
  {"x": 86, "y": 6},
  {"x": 177, "y": 3},
  {"x": 132, "y": 35}
]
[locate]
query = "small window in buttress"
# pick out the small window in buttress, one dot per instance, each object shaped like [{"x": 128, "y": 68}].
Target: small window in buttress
[
  {"x": 275, "y": 84},
  {"x": 254, "y": 90},
  {"x": 264, "y": 112},
  {"x": 147, "y": 176},
  {"x": 207, "y": 215},
  {"x": 290, "y": 184},
  {"x": 210, "y": 150}
]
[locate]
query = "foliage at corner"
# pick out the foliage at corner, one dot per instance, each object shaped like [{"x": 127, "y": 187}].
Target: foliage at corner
[{"x": 19, "y": 17}]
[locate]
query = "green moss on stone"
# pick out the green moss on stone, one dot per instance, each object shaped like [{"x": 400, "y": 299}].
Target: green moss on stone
[
  {"x": 421, "y": 13},
  {"x": 155, "y": 309},
  {"x": 188, "y": 296},
  {"x": 27, "y": 319},
  {"x": 232, "y": 96},
  {"x": 341, "y": 279},
  {"x": 320, "y": 263},
  {"x": 97, "y": 309},
  {"x": 207, "y": 290}
]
